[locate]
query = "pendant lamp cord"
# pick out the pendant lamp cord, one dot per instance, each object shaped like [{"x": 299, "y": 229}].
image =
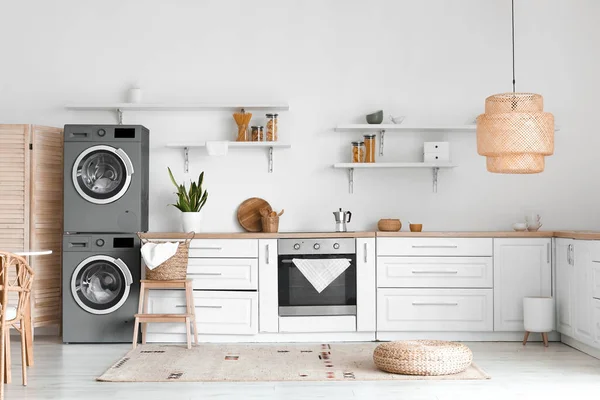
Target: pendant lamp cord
[{"x": 513, "y": 44}]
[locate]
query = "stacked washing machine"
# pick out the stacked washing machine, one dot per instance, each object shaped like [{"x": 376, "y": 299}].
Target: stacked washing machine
[{"x": 105, "y": 205}]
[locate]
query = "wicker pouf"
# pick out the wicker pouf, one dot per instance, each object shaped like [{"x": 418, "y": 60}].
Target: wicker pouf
[{"x": 422, "y": 357}]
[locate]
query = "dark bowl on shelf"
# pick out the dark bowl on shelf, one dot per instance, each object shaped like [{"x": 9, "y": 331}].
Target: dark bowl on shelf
[{"x": 375, "y": 118}]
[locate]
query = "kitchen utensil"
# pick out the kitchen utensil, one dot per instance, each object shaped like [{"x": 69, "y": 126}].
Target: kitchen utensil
[
  {"x": 375, "y": 118},
  {"x": 242, "y": 119},
  {"x": 389, "y": 225},
  {"x": 416, "y": 227},
  {"x": 397, "y": 120},
  {"x": 520, "y": 226},
  {"x": 248, "y": 213},
  {"x": 341, "y": 219}
]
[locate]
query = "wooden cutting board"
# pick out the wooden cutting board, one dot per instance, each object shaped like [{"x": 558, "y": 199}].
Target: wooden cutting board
[{"x": 249, "y": 213}]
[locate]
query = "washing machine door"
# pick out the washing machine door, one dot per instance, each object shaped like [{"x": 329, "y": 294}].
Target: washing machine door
[
  {"x": 102, "y": 174},
  {"x": 100, "y": 284}
]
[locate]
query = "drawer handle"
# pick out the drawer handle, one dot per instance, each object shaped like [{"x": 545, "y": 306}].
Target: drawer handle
[
  {"x": 207, "y": 248},
  {"x": 434, "y": 247},
  {"x": 206, "y": 273},
  {"x": 415, "y": 303},
  {"x": 182, "y": 306},
  {"x": 435, "y": 272},
  {"x": 596, "y": 261}
]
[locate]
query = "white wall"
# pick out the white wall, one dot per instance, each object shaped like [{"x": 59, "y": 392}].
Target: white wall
[{"x": 332, "y": 61}]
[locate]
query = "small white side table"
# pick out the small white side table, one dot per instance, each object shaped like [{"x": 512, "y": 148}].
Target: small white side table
[{"x": 538, "y": 315}]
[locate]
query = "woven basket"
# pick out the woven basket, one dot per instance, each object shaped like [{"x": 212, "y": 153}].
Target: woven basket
[
  {"x": 423, "y": 357},
  {"x": 389, "y": 225},
  {"x": 175, "y": 268}
]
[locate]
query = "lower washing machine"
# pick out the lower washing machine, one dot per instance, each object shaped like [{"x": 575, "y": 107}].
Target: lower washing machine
[{"x": 101, "y": 281}]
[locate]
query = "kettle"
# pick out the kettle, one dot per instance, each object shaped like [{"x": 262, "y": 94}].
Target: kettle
[{"x": 341, "y": 218}]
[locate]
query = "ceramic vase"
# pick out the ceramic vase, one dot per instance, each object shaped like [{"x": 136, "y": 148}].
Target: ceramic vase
[{"x": 191, "y": 221}]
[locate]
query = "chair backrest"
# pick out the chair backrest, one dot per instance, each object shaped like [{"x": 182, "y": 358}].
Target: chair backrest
[{"x": 16, "y": 276}]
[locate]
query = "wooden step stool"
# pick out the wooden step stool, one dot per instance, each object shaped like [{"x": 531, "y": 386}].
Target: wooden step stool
[{"x": 142, "y": 317}]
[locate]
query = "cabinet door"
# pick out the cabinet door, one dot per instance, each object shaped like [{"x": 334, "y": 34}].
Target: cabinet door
[
  {"x": 366, "y": 297},
  {"x": 596, "y": 311},
  {"x": 522, "y": 268},
  {"x": 582, "y": 300},
  {"x": 268, "y": 286},
  {"x": 565, "y": 290}
]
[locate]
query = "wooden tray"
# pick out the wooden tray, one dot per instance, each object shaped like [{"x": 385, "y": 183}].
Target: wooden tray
[{"x": 249, "y": 213}]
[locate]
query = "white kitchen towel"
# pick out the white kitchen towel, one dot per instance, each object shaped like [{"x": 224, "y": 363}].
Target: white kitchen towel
[
  {"x": 321, "y": 272},
  {"x": 155, "y": 254}
]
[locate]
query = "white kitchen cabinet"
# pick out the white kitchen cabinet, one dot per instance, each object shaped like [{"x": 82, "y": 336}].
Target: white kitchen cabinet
[
  {"x": 565, "y": 286},
  {"x": 435, "y": 272},
  {"x": 366, "y": 286},
  {"x": 223, "y": 273},
  {"x": 268, "y": 286},
  {"x": 224, "y": 248},
  {"x": 583, "y": 329},
  {"x": 522, "y": 268},
  {"x": 435, "y": 310},
  {"x": 233, "y": 313},
  {"x": 472, "y": 247}
]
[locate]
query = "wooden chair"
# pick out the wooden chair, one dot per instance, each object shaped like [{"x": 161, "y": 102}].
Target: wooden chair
[{"x": 16, "y": 276}]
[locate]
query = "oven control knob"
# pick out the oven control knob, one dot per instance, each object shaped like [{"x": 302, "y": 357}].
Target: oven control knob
[
  {"x": 297, "y": 246},
  {"x": 336, "y": 246},
  {"x": 317, "y": 246},
  {"x": 100, "y": 242}
]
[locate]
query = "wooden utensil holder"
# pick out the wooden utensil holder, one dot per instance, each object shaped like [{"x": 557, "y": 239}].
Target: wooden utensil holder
[{"x": 270, "y": 224}]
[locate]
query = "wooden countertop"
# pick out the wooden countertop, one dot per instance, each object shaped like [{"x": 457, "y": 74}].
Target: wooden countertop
[
  {"x": 582, "y": 235},
  {"x": 258, "y": 235}
]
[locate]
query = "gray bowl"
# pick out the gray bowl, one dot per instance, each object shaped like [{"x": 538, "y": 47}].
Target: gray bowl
[{"x": 375, "y": 118}]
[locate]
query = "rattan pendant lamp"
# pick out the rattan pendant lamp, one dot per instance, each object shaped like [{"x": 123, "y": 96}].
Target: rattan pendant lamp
[{"x": 514, "y": 133}]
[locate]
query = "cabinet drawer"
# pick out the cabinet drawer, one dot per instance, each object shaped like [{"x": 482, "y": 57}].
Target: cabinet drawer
[
  {"x": 230, "y": 248},
  {"x": 234, "y": 313},
  {"x": 223, "y": 273},
  {"x": 434, "y": 247},
  {"x": 435, "y": 310},
  {"x": 435, "y": 272}
]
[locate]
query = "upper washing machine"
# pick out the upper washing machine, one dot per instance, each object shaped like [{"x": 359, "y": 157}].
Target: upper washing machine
[{"x": 106, "y": 178}]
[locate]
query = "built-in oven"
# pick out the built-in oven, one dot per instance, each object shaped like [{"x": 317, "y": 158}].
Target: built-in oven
[{"x": 298, "y": 296}]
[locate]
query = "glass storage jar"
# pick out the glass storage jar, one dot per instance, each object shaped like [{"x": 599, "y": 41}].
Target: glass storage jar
[
  {"x": 369, "y": 148},
  {"x": 272, "y": 127},
  {"x": 257, "y": 134},
  {"x": 358, "y": 152}
]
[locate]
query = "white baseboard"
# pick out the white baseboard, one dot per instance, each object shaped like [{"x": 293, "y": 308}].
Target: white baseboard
[
  {"x": 581, "y": 346},
  {"x": 467, "y": 336},
  {"x": 329, "y": 337}
]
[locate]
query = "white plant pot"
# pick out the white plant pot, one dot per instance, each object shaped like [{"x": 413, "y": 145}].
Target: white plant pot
[
  {"x": 191, "y": 221},
  {"x": 538, "y": 313}
]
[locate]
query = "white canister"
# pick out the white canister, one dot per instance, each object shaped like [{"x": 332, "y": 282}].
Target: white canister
[
  {"x": 134, "y": 95},
  {"x": 538, "y": 313},
  {"x": 191, "y": 221}
]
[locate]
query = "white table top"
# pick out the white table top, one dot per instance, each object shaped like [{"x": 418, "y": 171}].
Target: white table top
[{"x": 34, "y": 253}]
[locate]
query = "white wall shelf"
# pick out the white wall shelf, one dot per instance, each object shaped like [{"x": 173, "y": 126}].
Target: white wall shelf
[
  {"x": 231, "y": 144},
  {"x": 120, "y": 108},
  {"x": 435, "y": 167},
  {"x": 383, "y": 128}
]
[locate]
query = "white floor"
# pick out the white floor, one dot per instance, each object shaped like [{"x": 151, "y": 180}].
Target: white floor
[{"x": 532, "y": 372}]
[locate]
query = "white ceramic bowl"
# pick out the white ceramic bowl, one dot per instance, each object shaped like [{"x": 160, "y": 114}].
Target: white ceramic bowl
[{"x": 520, "y": 226}]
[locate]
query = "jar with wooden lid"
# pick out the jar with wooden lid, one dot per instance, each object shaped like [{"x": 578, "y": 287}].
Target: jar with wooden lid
[
  {"x": 257, "y": 134},
  {"x": 272, "y": 127},
  {"x": 358, "y": 152},
  {"x": 369, "y": 148}
]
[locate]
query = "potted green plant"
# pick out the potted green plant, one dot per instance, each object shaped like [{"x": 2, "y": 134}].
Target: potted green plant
[{"x": 190, "y": 202}]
